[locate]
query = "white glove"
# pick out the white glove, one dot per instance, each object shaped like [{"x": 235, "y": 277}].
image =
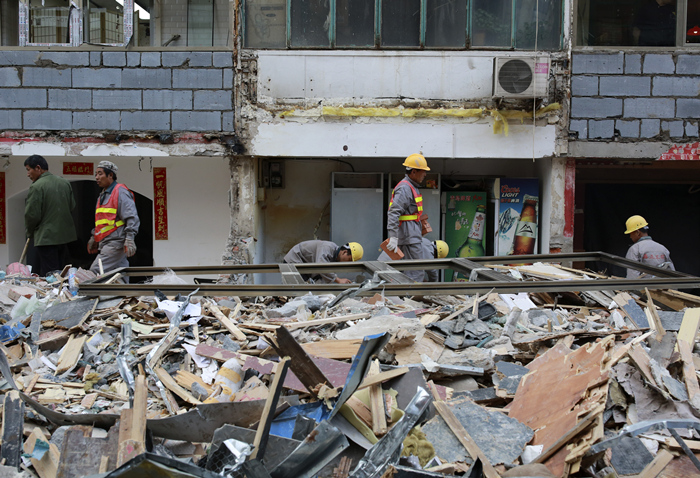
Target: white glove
[
  {"x": 129, "y": 247},
  {"x": 393, "y": 243}
]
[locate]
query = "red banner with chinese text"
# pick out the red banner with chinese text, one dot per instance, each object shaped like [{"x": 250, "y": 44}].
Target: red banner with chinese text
[
  {"x": 687, "y": 152},
  {"x": 160, "y": 204},
  {"x": 3, "y": 214},
  {"x": 86, "y": 169}
]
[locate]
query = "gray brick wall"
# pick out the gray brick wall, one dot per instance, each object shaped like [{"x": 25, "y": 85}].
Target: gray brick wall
[
  {"x": 116, "y": 90},
  {"x": 649, "y": 95}
]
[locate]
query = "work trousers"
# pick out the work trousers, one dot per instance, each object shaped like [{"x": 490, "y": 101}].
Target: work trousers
[
  {"x": 113, "y": 257},
  {"x": 411, "y": 252},
  {"x": 49, "y": 259}
]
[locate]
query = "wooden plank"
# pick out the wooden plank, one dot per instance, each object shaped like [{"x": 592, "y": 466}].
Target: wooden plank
[
  {"x": 163, "y": 347},
  {"x": 655, "y": 320},
  {"x": 578, "y": 428},
  {"x": 132, "y": 426},
  {"x": 12, "y": 425},
  {"x": 173, "y": 386},
  {"x": 464, "y": 438},
  {"x": 376, "y": 402},
  {"x": 333, "y": 349},
  {"x": 226, "y": 322},
  {"x": 382, "y": 377},
  {"x": 673, "y": 444},
  {"x": 48, "y": 465},
  {"x": 329, "y": 320},
  {"x": 652, "y": 470},
  {"x": 641, "y": 359},
  {"x": 689, "y": 326},
  {"x": 186, "y": 379},
  {"x": 689, "y": 375},
  {"x": 263, "y": 431},
  {"x": 71, "y": 354},
  {"x": 290, "y": 274},
  {"x": 303, "y": 367}
]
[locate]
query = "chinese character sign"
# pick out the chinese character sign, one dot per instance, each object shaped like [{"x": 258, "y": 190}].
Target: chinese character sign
[
  {"x": 80, "y": 169},
  {"x": 3, "y": 216},
  {"x": 160, "y": 204}
]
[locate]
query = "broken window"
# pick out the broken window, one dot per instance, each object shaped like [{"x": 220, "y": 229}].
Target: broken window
[{"x": 662, "y": 23}]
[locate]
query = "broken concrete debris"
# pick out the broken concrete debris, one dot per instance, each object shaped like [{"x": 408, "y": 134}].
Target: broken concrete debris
[{"x": 596, "y": 383}]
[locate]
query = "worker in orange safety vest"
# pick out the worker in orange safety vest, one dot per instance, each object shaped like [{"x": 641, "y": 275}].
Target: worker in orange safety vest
[{"x": 116, "y": 222}]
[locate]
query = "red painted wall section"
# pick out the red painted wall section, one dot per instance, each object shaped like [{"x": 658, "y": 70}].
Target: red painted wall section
[{"x": 569, "y": 198}]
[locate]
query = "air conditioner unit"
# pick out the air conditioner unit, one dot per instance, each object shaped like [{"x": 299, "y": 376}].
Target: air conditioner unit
[{"x": 521, "y": 77}]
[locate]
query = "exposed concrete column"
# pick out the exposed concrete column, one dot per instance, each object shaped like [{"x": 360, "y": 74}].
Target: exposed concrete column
[
  {"x": 563, "y": 180},
  {"x": 240, "y": 247}
]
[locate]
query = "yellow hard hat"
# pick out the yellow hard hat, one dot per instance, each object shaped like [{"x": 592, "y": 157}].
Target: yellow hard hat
[
  {"x": 416, "y": 161},
  {"x": 442, "y": 249},
  {"x": 356, "y": 251},
  {"x": 634, "y": 223}
]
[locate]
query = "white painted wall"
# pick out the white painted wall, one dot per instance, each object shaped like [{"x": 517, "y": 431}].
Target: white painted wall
[
  {"x": 434, "y": 139},
  {"x": 198, "y": 211},
  {"x": 367, "y": 75}
]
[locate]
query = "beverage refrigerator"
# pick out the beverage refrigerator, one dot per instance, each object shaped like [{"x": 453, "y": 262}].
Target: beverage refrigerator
[{"x": 464, "y": 223}]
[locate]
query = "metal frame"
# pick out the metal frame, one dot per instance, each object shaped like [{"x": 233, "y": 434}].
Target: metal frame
[{"x": 398, "y": 283}]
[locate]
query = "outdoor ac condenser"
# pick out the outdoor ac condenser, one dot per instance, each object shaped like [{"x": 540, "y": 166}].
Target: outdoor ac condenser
[{"x": 521, "y": 77}]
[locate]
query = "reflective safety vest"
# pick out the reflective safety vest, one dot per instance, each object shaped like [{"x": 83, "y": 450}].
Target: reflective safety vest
[
  {"x": 106, "y": 215},
  {"x": 416, "y": 197}
]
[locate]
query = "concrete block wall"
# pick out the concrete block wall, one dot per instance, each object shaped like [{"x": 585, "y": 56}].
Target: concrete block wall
[
  {"x": 633, "y": 95},
  {"x": 116, "y": 90}
]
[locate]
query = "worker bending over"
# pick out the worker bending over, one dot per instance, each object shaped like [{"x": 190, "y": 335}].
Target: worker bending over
[
  {"x": 116, "y": 222},
  {"x": 324, "y": 251},
  {"x": 405, "y": 211},
  {"x": 644, "y": 249},
  {"x": 431, "y": 250}
]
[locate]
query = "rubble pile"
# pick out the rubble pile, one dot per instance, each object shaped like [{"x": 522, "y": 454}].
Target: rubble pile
[{"x": 597, "y": 384}]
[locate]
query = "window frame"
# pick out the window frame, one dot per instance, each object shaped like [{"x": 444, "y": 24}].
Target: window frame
[
  {"x": 332, "y": 31},
  {"x": 681, "y": 22},
  {"x": 75, "y": 26}
]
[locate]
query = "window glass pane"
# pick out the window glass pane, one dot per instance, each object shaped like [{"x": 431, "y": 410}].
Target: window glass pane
[
  {"x": 400, "y": 23},
  {"x": 265, "y": 23},
  {"x": 446, "y": 23},
  {"x": 106, "y": 25},
  {"x": 543, "y": 14},
  {"x": 200, "y": 22},
  {"x": 49, "y": 23},
  {"x": 626, "y": 22},
  {"x": 9, "y": 23},
  {"x": 491, "y": 23},
  {"x": 692, "y": 27},
  {"x": 354, "y": 23},
  {"x": 310, "y": 22}
]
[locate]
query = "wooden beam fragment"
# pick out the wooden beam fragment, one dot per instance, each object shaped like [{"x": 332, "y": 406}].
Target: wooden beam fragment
[
  {"x": 263, "y": 432},
  {"x": 303, "y": 367},
  {"x": 376, "y": 402},
  {"x": 226, "y": 322},
  {"x": 132, "y": 426},
  {"x": 564, "y": 439},
  {"x": 689, "y": 375},
  {"x": 655, "y": 320},
  {"x": 173, "y": 386},
  {"x": 382, "y": 377},
  {"x": 689, "y": 326},
  {"x": 71, "y": 354},
  {"x": 652, "y": 470},
  {"x": 467, "y": 441},
  {"x": 47, "y": 467},
  {"x": 329, "y": 320},
  {"x": 333, "y": 349}
]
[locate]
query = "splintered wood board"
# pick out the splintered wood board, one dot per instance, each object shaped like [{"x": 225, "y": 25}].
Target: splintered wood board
[
  {"x": 333, "y": 349},
  {"x": 71, "y": 353},
  {"x": 547, "y": 397}
]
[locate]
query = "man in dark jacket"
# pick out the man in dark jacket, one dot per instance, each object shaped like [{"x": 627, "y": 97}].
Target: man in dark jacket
[{"x": 47, "y": 215}]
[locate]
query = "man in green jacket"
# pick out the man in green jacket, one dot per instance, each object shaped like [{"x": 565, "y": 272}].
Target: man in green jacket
[{"x": 47, "y": 215}]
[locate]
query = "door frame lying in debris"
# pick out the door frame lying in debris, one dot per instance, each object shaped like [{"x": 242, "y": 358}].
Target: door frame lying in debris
[{"x": 396, "y": 283}]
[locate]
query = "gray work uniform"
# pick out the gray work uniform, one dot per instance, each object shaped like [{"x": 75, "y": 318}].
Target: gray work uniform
[
  {"x": 314, "y": 251},
  {"x": 111, "y": 248},
  {"x": 408, "y": 232},
  {"x": 649, "y": 252},
  {"x": 428, "y": 252}
]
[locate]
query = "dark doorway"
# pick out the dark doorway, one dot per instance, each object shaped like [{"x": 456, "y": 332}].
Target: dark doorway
[
  {"x": 85, "y": 193},
  {"x": 670, "y": 209}
]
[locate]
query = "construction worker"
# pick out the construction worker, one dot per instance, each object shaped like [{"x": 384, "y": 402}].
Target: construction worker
[
  {"x": 116, "y": 222},
  {"x": 324, "y": 251},
  {"x": 405, "y": 211},
  {"x": 644, "y": 249},
  {"x": 431, "y": 250}
]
